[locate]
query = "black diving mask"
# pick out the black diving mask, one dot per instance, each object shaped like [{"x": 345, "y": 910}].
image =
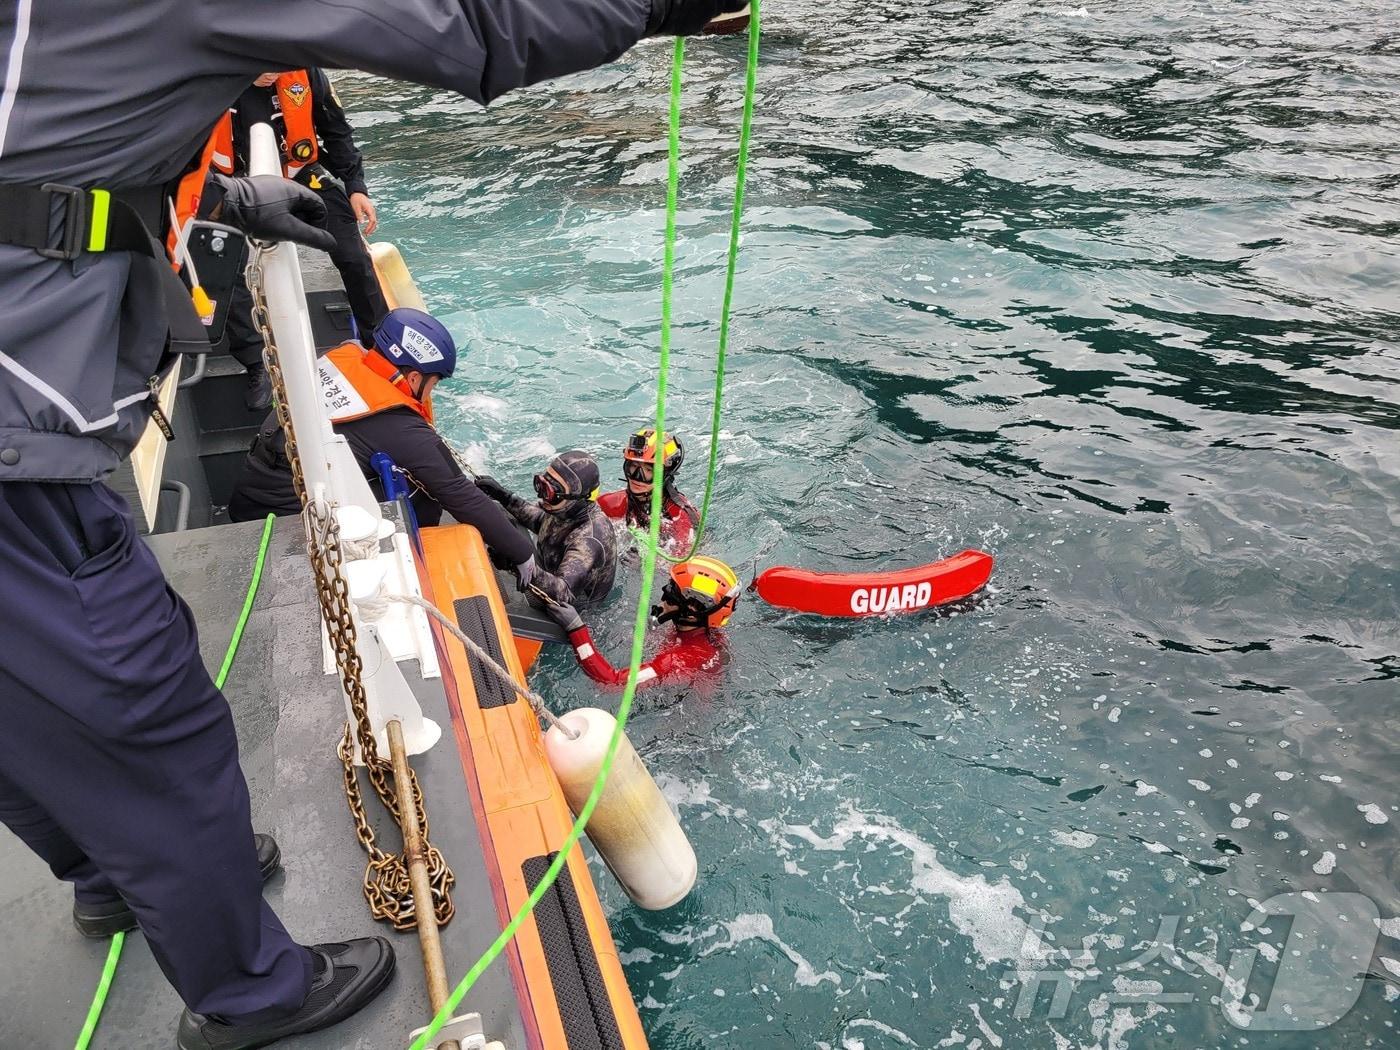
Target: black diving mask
[{"x": 636, "y": 470}]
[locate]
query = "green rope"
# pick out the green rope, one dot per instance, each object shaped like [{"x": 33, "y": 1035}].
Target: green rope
[
  {"x": 114, "y": 951},
  {"x": 104, "y": 984},
  {"x": 253, "y": 584},
  {"x": 740, "y": 180},
  {"x": 652, "y": 548}
]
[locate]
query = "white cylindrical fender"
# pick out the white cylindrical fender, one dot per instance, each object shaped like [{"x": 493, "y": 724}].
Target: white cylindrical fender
[
  {"x": 394, "y": 277},
  {"x": 632, "y": 827}
]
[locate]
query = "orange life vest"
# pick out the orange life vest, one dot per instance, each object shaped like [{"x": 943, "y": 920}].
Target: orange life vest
[
  {"x": 356, "y": 382},
  {"x": 217, "y": 155},
  {"x": 299, "y": 148}
]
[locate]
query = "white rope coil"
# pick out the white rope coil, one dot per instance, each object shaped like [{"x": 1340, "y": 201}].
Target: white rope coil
[{"x": 360, "y": 550}]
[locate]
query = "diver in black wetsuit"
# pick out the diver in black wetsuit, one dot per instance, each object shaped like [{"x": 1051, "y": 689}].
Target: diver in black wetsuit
[{"x": 575, "y": 545}]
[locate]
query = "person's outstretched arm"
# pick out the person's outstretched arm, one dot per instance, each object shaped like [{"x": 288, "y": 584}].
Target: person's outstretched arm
[
  {"x": 412, "y": 443},
  {"x": 527, "y": 512},
  {"x": 600, "y": 669},
  {"x": 481, "y": 48}
]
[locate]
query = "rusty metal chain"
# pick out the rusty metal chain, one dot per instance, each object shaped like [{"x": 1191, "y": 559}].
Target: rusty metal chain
[{"x": 386, "y": 882}]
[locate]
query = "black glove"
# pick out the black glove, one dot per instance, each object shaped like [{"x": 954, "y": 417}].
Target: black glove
[
  {"x": 566, "y": 616},
  {"x": 493, "y": 488},
  {"x": 685, "y": 17},
  {"x": 271, "y": 208}
]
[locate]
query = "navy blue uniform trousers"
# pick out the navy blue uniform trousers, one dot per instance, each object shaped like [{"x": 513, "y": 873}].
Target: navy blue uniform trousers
[{"x": 118, "y": 761}]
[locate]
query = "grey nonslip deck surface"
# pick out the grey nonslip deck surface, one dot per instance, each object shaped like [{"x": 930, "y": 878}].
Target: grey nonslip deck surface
[{"x": 289, "y": 716}]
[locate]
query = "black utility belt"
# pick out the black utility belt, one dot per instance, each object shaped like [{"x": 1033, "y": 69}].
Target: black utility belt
[{"x": 94, "y": 221}]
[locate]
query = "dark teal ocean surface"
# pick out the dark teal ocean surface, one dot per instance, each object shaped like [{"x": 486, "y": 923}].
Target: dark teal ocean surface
[{"x": 1112, "y": 292}]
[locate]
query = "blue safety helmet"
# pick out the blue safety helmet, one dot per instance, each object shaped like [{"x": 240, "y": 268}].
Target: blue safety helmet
[{"x": 413, "y": 339}]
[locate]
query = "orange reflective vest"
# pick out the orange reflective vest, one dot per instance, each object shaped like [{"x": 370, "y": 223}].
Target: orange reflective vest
[
  {"x": 356, "y": 382},
  {"x": 217, "y": 155},
  {"x": 299, "y": 147}
]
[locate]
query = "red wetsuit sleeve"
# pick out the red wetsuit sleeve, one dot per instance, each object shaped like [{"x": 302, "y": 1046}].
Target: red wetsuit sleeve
[
  {"x": 614, "y": 504},
  {"x": 683, "y": 656}
]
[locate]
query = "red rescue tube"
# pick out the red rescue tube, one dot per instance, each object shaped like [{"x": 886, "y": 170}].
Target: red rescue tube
[{"x": 876, "y": 593}]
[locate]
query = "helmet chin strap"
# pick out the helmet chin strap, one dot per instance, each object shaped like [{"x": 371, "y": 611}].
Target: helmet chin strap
[{"x": 685, "y": 611}]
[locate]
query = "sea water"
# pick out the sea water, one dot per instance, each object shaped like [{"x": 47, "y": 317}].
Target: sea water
[{"x": 1112, "y": 292}]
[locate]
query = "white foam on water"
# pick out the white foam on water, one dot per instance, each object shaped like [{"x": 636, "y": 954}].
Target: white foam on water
[
  {"x": 1077, "y": 839},
  {"x": 1374, "y": 813},
  {"x": 479, "y": 404},
  {"x": 992, "y": 1037},
  {"x": 983, "y": 911},
  {"x": 536, "y": 448},
  {"x": 1326, "y": 864},
  {"x": 474, "y": 453},
  {"x": 880, "y": 1026},
  {"x": 1110, "y": 1029},
  {"x": 680, "y": 792},
  {"x": 759, "y": 927}
]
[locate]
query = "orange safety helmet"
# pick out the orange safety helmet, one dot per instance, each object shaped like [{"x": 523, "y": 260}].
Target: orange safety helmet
[
  {"x": 704, "y": 591},
  {"x": 641, "y": 448}
]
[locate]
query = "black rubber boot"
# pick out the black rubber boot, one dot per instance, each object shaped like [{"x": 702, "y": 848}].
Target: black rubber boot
[
  {"x": 112, "y": 917},
  {"x": 347, "y": 978},
  {"x": 257, "y": 395}
]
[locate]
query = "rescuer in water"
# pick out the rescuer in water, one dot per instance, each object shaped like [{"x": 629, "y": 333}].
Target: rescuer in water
[
  {"x": 575, "y": 545},
  {"x": 698, "y": 600},
  {"x": 380, "y": 400},
  {"x": 633, "y": 503}
]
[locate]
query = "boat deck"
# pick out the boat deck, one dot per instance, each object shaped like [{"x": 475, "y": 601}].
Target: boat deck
[{"x": 288, "y": 716}]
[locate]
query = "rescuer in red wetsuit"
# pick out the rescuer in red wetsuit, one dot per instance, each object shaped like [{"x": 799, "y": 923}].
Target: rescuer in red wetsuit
[
  {"x": 633, "y": 503},
  {"x": 699, "y": 599}
]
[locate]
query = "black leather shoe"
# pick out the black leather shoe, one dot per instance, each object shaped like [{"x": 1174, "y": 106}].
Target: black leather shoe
[
  {"x": 112, "y": 917},
  {"x": 347, "y": 977},
  {"x": 257, "y": 395}
]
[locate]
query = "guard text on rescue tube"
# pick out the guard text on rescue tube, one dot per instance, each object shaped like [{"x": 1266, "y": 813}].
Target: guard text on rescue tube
[{"x": 876, "y": 600}]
